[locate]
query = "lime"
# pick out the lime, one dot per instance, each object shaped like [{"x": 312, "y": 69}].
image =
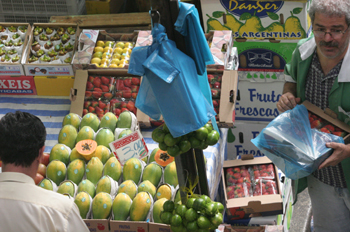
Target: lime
[
  {"x": 203, "y": 145},
  {"x": 194, "y": 142},
  {"x": 181, "y": 210},
  {"x": 185, "y": 145},
  {"x": 211, "y": 209},
  {"x": 158, "y": 135},
  {"x": 216, "y": 219},
  {"x": 169, "y": 140},
  {"x": 199, "y": 204},
  {"x": 190, "y": 202},
  {"x": 201, "y": 133},
  {"x": 191, "y": 215},
  {"x": 168, "y": 206},
  {"x": 178, "y": 228},
  {"x": 184, "y": 221},
  {"x": 213, "y": 138},
  {"x": 209, "y": 127},
  {"x": 174, "y": 150},
  {"x": 162, "y": 146},
  {"x": 203, "y": 222},
  {"x": 165, "y": 128},
  {"x": 166, "y": 217},
  {"x": 184, "y": 137},
  {"x": 206, "y": 198},
  {"x": 192, "y": 226},
  {"x": 220, "y": 207},
  {"x": 176, "y": 220},
  {"x": 203, "y": 230}
]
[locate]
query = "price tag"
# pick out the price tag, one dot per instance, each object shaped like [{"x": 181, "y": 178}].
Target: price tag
[{"x": 130, "y": 146}]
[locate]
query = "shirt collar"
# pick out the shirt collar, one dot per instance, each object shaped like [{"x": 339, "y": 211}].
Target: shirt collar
[
  {"x": 306, "y": 50},
  {"x": 16, "y": 177}
]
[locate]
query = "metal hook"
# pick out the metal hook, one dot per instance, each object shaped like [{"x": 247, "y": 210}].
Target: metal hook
[{"x": 154, "y": 16}]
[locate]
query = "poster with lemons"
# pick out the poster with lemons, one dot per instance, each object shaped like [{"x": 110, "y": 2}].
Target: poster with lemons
[{"x": 282, "y": 20}]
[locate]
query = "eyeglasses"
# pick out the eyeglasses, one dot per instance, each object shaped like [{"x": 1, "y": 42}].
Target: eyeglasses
[{"x": 335, "y": 34}]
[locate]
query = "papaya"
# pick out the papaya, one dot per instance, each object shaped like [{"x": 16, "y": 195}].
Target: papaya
[
  {"x": 129, "y": 187},
  {"x": 87, "y": 186},
  {"x": 90, "y": 120},
  {"x": 109, "y": 120},
  {"x": 170, "y": 174},
  {"x": 104, "y": 136},
  {"x": 76, "y": 155},
  {"x": 72, "y": 119},
  {"x": 153, "y": 153},
  {"x": 121, "y": 207},
  {"x": 147, "y": 186},
  {"x": 132, "y": 170},
  {"x": 113, "y": 168},
  {"x": 164, "y": 191},
  {"x": 127, "y": 120},
  {"x": 163, "y": 158},
  {"x": 140, "y": 207},
  {"x": 157, "y": 209},
  {"x": 123, "y": 133},
  {"x": 85, "y": 133},
  {"x": 102, "y": 152},
  {"x": 83, "y": 200},
  {"x": 56, "y": 171},
  {"x": 76, "y": 171},
  {"x": 86, "y": 148},
  {"x": 46, "y": 184},
  {"x": 94, "y": 170},
  {"x": 102, "y": 206},
  {"x": 105, "y": 185},
  {"x": 67, "y": 187},
  {"x": 153, "y": 173},
  {"x": 68, "y": 135},
  {"x": 60, "y": 152}
]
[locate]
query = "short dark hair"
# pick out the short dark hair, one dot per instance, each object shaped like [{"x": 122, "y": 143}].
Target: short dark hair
[{"x": 21, "y": 137}]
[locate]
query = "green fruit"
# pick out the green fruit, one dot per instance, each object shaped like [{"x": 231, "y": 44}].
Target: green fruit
[
  {"x": 76, "y": 171},
  {"x": 158, "y": 135},
  {"x": 46, "y": 184},
  {"x": 177, "y": 197},
  {"x": 190, "y": 202},
  {"x": 83, "y": 200},
  {"x": 168, "y": 206},
  {"x": 203, "y": 222},
  {"x": 90, "y": 120},
  {"x": 60, "y": 152},
  {"x": 85, "y": 133},
  {"x": 220, "y": 207},
  {"x": 169, "y": 140},
  {"x": 124, "y": 133},
  {"x": 206, "y": 198},
  {"x": 209, "y": 127},
  {"x": 76, "y": 155},
  {"x": 102, "y": 206},
  {"x": 132, "y": 170},
  {"x": 109, "y": 120},
  {"x": 181, "y": 210},
  {"x": 185, "y": 146},
  {"x": 162, "y": 146},
  {"x": 212, "y": 138},
  {"x": 67, "y": 136},
  {"x": 199, "y": 204},
  {"x": 102, "y": 152},
  {"x": 217, "y": 219},
  {"x": 126, "y": 120},
  {"x": 113, "y": 168},
  {"x": 104, "y": 137},
  {"x": 195, "y": 143},
  {"x": 72, "y": 119},
  {"x": 87, "y": 186},
  {"x": 153, "y": 153},
  {"x": 94, "y": 170},
  {"x": 140, "y": 207},
  {"x": 166, "y": 217},
  {"x": 157, "y": 209},
  {"x": 121, "y": 207},
  {"x": 67, "y": 187},
  {"x": 201, "y": 133},
  {"x": 176, "y": 220},
  {"x": 211, "y": 209},
  {"x": 104, "y": 185},
  {"x": 56, "y": 171},
  {"x": 147, "y": 186},
  {"x": 129, "y": 187},
  {"x": 152, "y": 172},
  {"x": 170, "y": 174},
  {"x": 174, "y": 150},
  {"x": 191, "y": 215}
]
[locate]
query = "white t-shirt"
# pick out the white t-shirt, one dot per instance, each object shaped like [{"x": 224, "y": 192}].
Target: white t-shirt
[{"x": 27, "y": 207}]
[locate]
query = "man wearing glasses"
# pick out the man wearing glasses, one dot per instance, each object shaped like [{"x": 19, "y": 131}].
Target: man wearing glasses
[{"x": 320, "y": 73}]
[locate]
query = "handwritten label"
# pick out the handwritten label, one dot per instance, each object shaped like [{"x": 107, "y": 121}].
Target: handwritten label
[{"x": 130, "y": 146}]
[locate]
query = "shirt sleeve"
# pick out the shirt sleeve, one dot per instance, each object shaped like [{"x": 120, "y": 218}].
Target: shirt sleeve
[{"x": 75, "y": 222}]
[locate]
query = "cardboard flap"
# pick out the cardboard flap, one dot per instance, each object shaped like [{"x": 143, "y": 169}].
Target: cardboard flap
[
  {"x": 330, "y": 113},
  {"x": 247, "y": 157}
]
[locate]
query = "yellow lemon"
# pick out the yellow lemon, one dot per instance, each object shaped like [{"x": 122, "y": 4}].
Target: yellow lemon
[
  {"x": 128, "y": 45},
  {"x": 106, "y": 55},
  {"x": 115, "y": 61},
  {"x": 104, "y": 65},
  {"x": 118, "y": 50},
  {"x": 113, "y": 66},
  {"x": 100, "y": 43},
  {"x": 108, "y": 49},
  {"x": 124, "y": 61},
  {"x": 109, "y": 44},
  {"x": 125, "y": 56},
  {"x": 116, "y": 56},
  {"x": 97, "y": 54},
  {"x": 127, "y": 50},
  {"x": 120, "y": 44},
  {"x": 98, "y": 49},
  {"x": 121, "y": 65},
  {"x": 105, "y": 61},
  {"x": 95, "y": 60}
]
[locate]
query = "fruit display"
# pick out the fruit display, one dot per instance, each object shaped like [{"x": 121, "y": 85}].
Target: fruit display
[
  {"x": 110, "y": 94},
  {"x": 215, "y": 89},
  {"x": 252, "y": 180},
  {"x": 11, "y": 43},
  {"x": 201, "y": 139},
  {"x": 52, "y": 45},
  {"x": 111, "y": 54},
  {"x": 200, "y": 213},
  {"x": 319, "y": 123}
]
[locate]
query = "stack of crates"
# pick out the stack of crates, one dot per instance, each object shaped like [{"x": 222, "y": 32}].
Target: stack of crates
[{"x": 38, "y": 11}]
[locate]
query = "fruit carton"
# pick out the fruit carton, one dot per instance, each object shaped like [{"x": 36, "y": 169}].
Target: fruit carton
[
  {"x": 54, "y": 85},
  {"x": 158, "y": 227},
  {"x": 85, "y": 48},
  {"x": 269, "y": 203},
  {"x": 22, "y": 85},
  {"x": 327, "y": 122},
  {"x": 220, "y": 44},
  {"x": 58, "y": 66},
  {"x": 128, "y": 226},
  {"x": 7, "y": 67},
  {"x": 97, "y": 224}
]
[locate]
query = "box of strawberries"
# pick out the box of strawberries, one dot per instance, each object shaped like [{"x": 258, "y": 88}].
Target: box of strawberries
[{"x": 251, "y": 186}]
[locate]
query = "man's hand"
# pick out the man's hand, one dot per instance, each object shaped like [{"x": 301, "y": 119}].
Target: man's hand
[
  {"x": 341, "y": 152},
  {"x": 287, "y": 102}
]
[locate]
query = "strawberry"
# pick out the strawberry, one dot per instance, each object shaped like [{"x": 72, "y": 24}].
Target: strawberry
[
  {"x": 117, "y": 111},
  {"x": 87, "y": 104},
  {"x": 217, "y": 85},
  {"x": 124, "y": 109},
  {"x": 215, "y": 104},
  {"x": 135, "y": 88},
  {"x": 130, "y": 106},
  {"x": 97, "y": 82},
  {"x": 135, "y": 111},
  {"x": 105, "y": 80},
  {"x": 104, "y": 88},
  {"x": 106, "y": 111},
  {"x": 85, "y": 111},
  {"x": 126, "y": 93},
  {"x": 316, "y": 124},
  {"x": 88, "y": 94},
  {"x": 94, "y": 103},
  {"x": 98, "y": 110},
  {"x": 325, "y": 130},
  {"x": 134, "y": 95},
  {"x": 123, "y": 104},
  {"x": 210, "y": 78},
  {"x": 91, "y": 79},
  {"x": 330, "y": 127},
  {"x": 102, "y": 105},
  {"x": 108, "y": 95},
  {"x": 118, "y": 93},
  {"x": 96, "y": 94},
  {"x": 127, "y": 81},
  {"x": 339, "y": 133},
  {"x": 237, "y": 175},
  {"x": 89, "y": 86},
  {"x": 115, "y": 103},
  {"x": 215, "y": 93},
  {"x": 135, "y": 80},
  {"x": 91, "y": 109},
  {"x": 98, "y": 90},
  {"x": 119, "y": 84},
  {"x": 236, "y": 170}
]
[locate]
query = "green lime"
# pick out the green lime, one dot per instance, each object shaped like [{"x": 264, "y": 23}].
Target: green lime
[
  {"x": 162, "y": 146},
  {"x": 165, "y": 128},
  {"x": 168, "y": 206},
  {"x": 158, "y": 135},
  {"x": 220, "y": 207},
  {"x": 169, "y": 140},
  {"x": 176, "y": 220},
  {"x": 209, "y": 127},
  {"x": 185, "y": 145},
  {"x": 180, "y": 228},
  {"x": 174, "y": 150},
  {"x": 203, "y": 222},
  {"x": 194, "y": 142},
  {"x": 211, "y": 209},
  {"x": 203, "y": 230},
  {"x": 206, "y": 198},
  {"x": 203, "y": 145},
  {"x": 192, "y": 226},
  {"x": 217, "y": 219},
  {"x": 184, "y": 221},
  {"x": 181, "y": 210},
  {"x": 190, "y": 202},
  {"x": 166, "y": 217},
  {"x": 191, "y": 215},
  {"x": 184, "y": 137},
  {"x": 201, "y": 133},
  {"x": 213, "y": 138},
  {"x": 199, "y": 204}
]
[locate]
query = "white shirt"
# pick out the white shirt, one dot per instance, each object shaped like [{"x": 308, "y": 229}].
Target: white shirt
[{"x": 27, "y": 207}]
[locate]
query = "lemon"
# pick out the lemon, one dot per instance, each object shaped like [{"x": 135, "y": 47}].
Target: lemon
[
  {"x": 115, "y": 61},
  {"x": 124, "y": 61},
  {"x": 125, "y": 56},
  {"x": 127, "y": 50},
  {"x": 108, "y": 49},
  {"x": 98, "y": 49},
  {"x": 116, "y": 56},
  {"x": 97, "y": 54},
  {"x": 103, "y": 65},
  {"x": 100, "y": 43},
  {"x": 121, "y": 65},
  {"x": 109, "y": 44},
  {"x": 105, "y": 61},
  {"x": 95, "y": 60},
  {"x": 106, "y": 55},
  {"x": 128, "y": 45},
  {"x": 120, "y": 44},
  {"x": 113, "y": 66},
  {"x": 118, "y": 50}
]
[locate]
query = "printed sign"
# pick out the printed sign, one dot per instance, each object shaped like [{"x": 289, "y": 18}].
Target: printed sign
[
  {"x": 130, "y": 146},
  {"x": 17, "y": 85},
  {"x": 43, "y": 70}
]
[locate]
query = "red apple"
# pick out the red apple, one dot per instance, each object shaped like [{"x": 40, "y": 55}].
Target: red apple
[
  {"x": 42, "y": 170},
  {"x": 45, "y": 159},
  {"x": 38, "y": 178}
]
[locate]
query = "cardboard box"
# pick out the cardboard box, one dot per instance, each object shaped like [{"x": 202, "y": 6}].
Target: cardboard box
[
  {"x": 101, "y": 225},
  {"x": 128, "y": 226},
  {"x": 103, "y": 7},
  {"x": 22, "y": 85},
  {"x": 40, "y": 69},
  {"x": 257, "y": 19},
  {"x": 16, "y": 69},
  {"x": 78, "y": 92},
  {"x": 264, "y": 205},
  {"x": 54, "y": 86},
  {"x": 157, "y": 227}
]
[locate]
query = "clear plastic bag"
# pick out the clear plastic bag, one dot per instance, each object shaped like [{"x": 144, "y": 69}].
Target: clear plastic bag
[{"x": 291, "y": 144}]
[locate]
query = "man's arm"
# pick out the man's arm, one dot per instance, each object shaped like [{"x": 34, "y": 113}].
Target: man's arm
[{"x": 288, "y": 100}]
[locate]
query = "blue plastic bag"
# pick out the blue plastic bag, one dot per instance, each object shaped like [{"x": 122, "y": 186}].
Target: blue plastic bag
[
  {"x": 290, "y": 143},
  {"x": 170, "y": 85}
]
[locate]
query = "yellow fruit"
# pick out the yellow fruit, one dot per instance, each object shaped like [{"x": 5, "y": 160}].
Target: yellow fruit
[
  {"x": 104, "y": 65},
  {"x": 115, "y": 61},
  {"x": 96, "y": 60},
  {"x": 127, "y": 51},
  {"x": 109, "y": 44},
  {"x": 113, "y": 66},
  {"x": 108, "y": 49},
  {"x": 106, "y": 55},
  {"x": 100, "y": 43},
  {"x": 98, "y": 49},
  {"x": 120, "y": 44},
  {"x": 97, "y": 54},
  {"x": 116, "y": 56},
  {"x": 128, "y": 45},
  {"x": 105, "y": 61},
  {"x": 118, "y": 50},
  {"x": 121, "y": 65}
]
